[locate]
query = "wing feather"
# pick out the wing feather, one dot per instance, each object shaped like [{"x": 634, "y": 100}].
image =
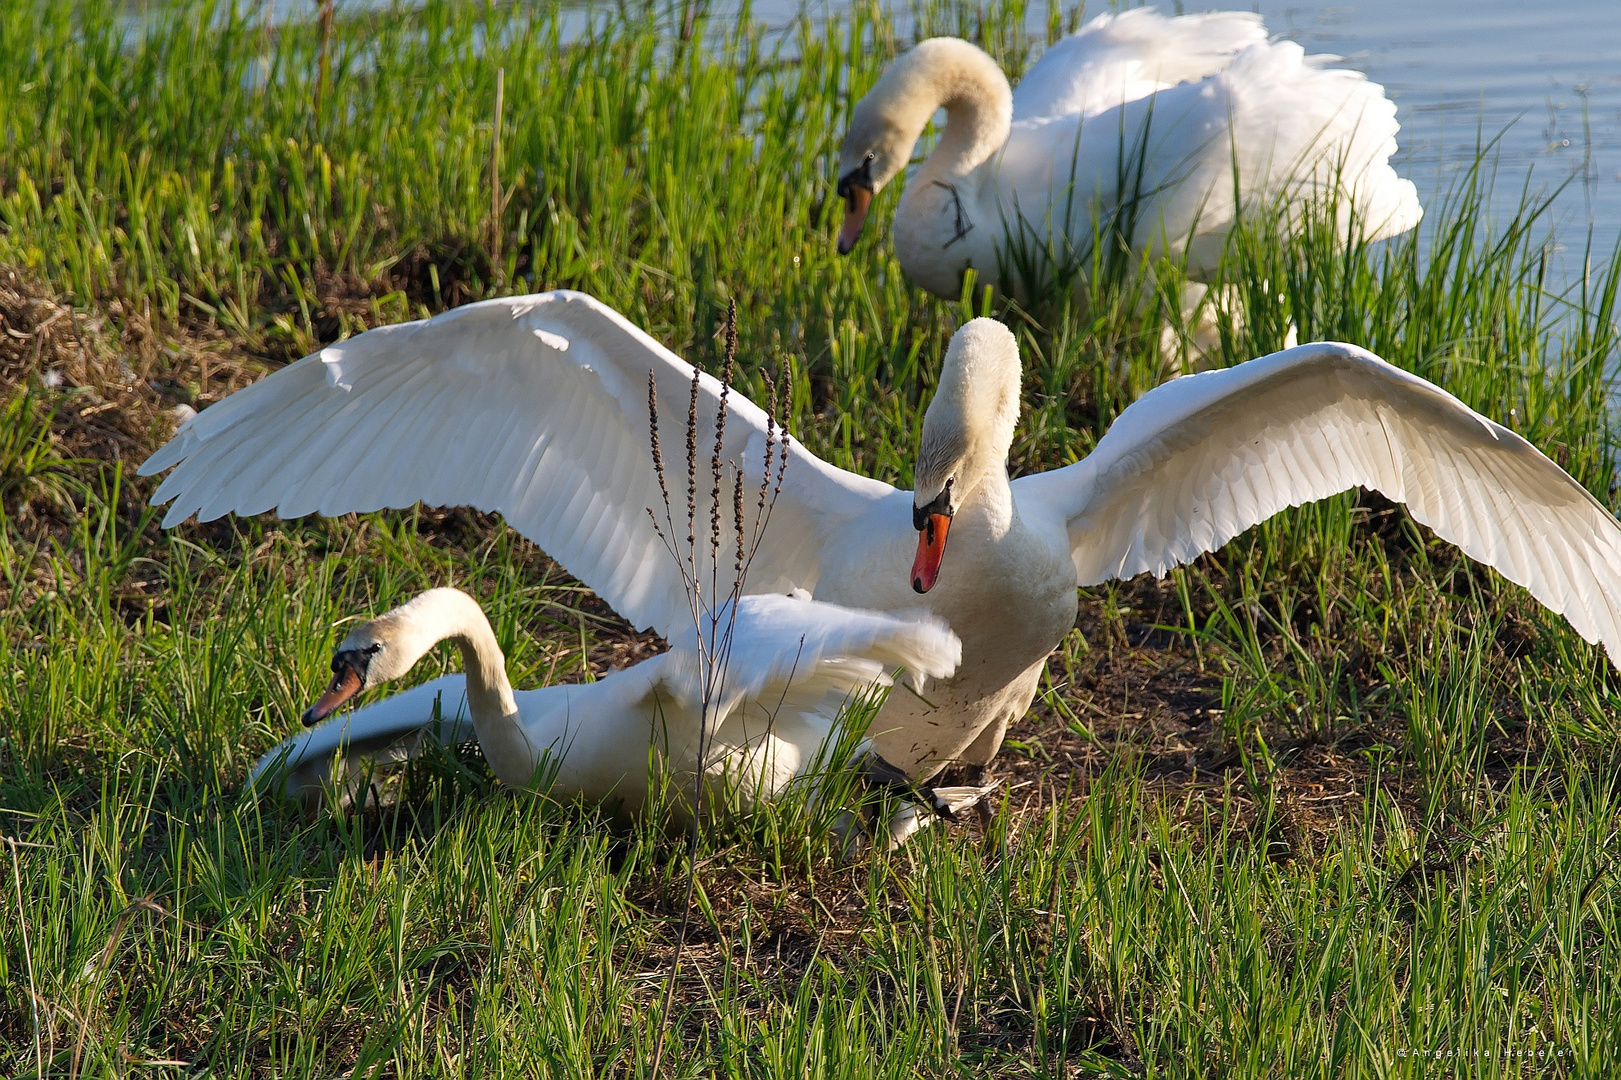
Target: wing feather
[
  {"x": 303, "y": 760},
  {"x": 808, "y": 649},
  {"x": 534, "y": 407},
  {"x": 1197, "y": 461},
  {"x": 1127, "y": 55}
]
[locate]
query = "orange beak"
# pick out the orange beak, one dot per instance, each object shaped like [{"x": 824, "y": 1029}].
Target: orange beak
[
  {"x": 345, "y": 685},
  {"x": 931, "y": 548},
  {"x": 856, "y": 201}
]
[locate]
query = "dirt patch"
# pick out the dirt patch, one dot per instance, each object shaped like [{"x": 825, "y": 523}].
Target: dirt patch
[{"x": 116, "y": 385}]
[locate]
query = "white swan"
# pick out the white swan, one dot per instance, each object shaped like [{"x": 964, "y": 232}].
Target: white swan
[
  {"x": 536, "y": 407},
  {"x": 1136, "y": 119},
  {"x": 791, "y": 666}
]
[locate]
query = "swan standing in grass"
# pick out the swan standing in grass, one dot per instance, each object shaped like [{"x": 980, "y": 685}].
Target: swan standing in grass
[
  {"x": 1135, "y": 123},
  {"x": 793, "y": 664},
  {"x": 537, "y": 408}
]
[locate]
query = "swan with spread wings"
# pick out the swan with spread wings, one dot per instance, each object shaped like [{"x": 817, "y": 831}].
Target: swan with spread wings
[{"x": 536, "y": 407}]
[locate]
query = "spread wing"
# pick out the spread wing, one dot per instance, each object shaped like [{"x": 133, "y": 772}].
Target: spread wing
[
  {"x": 535, "y": 407},
  {"x": 1195, "y": 462}
]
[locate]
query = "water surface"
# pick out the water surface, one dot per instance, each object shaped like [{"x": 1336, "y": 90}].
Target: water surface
[{"x": 1544, "y": 76}]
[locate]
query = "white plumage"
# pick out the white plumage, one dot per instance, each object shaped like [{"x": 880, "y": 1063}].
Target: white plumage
[
  {"x": 534, "y": 407},
  {"x": 485, "y": 407},
  {"x": 1199, "y": 460},
  {"x": 1121, "y": 57},
  {"x": 791, "y": 666},
  {"x": 1165, "y": 129}
]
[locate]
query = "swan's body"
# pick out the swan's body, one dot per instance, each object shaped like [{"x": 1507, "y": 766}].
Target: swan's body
[
  {"x": 792, "y": 665},
  {"x": 536, "y": 407},
  {"x": 1135, "y": 123}
]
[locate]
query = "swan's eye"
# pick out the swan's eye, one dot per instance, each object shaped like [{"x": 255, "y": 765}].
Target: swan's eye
[
  {"x": 373, "y": 650},
  {"x": 949, "y": 481},
  {"x": 871, "y": 156}
]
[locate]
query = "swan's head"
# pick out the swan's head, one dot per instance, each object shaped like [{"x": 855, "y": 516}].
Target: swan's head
[
  {"x": 883, "y": 128},
  {"x": 966, "y": 435},
  {"x": 886, "y": 123},
  {"x": 387, "y": 647},
  {"x": 876, "y": 147}
]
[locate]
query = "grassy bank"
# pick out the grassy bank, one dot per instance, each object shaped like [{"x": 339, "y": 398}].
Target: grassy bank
[{"x": 1313, "y": 805}]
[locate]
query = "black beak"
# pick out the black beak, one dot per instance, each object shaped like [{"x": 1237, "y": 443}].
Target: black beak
[{"x": 348, "y": 677}]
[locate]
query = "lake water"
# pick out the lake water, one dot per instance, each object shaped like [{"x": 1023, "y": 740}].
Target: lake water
[{"x": 1547, "y": 76}]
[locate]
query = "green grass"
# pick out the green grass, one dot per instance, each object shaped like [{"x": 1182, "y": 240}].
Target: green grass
[{"x": 1361, "y": 802}]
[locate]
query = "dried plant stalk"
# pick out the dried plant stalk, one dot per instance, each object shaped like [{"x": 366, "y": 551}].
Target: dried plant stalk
[
  {"x": 737, "y": 521},
  {"x": 714, "y": 616},
  {"x": 653, "y": 438},
  {"x": 716, "y": 458},
  {"x": 692, "y": 465}
]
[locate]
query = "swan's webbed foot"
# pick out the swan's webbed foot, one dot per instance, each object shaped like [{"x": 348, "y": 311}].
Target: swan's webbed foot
[
  {"x": 921, "y": 804},
  {"x": 882, "y": 777}
]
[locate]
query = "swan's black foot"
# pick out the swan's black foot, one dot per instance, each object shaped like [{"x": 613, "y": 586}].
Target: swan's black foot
[
  {"x": 920, "y": 805},
  {"x": 882, "y": 776},
  {"x": 962, "y": 774}
]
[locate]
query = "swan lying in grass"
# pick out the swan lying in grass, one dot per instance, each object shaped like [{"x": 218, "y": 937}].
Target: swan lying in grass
[
  {"x": 1135, "y": 124},
  {"x": 537, "y": 407},
  {"x": 791, "y": 665}
]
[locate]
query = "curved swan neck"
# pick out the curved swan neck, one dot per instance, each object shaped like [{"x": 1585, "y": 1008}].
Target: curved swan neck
[
  {"x": 451, "y": 615},
  {"x": 952, "y": 74}
]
